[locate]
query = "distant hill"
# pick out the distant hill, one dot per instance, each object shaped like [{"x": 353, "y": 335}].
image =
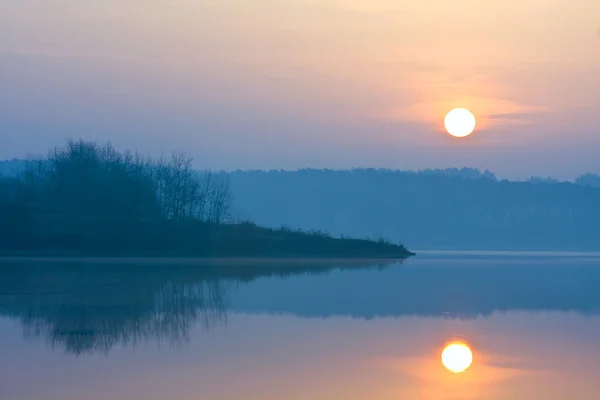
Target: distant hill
[{"x": 426, "y": 209}]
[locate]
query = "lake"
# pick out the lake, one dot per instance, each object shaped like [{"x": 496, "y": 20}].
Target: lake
[{"x": 327, "y": 330}]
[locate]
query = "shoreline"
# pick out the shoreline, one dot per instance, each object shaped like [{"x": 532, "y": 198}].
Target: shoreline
[{"x": 289, "y": 260}]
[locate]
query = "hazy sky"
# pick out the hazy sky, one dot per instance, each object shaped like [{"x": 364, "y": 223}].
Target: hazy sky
[{"x": 299, "y": 83}]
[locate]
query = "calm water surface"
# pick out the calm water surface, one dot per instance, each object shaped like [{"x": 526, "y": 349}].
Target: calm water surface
[{"x": 182, "y": 331}]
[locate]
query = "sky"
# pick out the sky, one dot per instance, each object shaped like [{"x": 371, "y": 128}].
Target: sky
[{"x": 308, "y": 83}]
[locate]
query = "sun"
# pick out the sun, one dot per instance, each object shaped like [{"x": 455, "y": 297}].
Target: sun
[
  {"x": 457, "y": 357},
  {"x": 460, "y": 122}
]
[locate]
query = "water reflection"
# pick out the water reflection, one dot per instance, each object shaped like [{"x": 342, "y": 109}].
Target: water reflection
[
  {"x": 271, "y": 331},
  {"x": 464, "y": 288},
  {"x": 93, "y": 306},
  {"x": 464, "y": 373},
  {"x": 91, "y": 322}
]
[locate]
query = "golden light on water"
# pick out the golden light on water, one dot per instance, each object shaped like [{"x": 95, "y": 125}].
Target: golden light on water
[
  {"x": 457, "y": 357},
  {"x": 460, "y": 122}
]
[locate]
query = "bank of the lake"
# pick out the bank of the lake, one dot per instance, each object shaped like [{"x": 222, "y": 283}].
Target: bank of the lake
[
  {"x": 135, "y": 239},
  {"x": 88, "y": 199}
]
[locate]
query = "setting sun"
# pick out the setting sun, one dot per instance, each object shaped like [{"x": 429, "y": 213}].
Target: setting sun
[
  {"x": 460, "y": 122},
  {"x": 457, "y": 357}
]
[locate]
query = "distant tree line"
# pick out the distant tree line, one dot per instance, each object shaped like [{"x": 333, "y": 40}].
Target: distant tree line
[
  {"x": 11, "y": 168},
  {"x": 592, "y": 180},
  {"x": 443, "y": 209}
]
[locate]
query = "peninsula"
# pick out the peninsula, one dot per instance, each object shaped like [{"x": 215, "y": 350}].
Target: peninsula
[{"x": 87, "y": 199}]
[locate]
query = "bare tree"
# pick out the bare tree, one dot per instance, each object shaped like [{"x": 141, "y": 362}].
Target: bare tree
[{"x": 84, "y": 178}]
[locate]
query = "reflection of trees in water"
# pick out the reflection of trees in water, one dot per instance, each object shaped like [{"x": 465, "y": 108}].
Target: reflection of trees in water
[
  {"x": 454, "y": 289},
  {"x": 179, "y": 305},
  {"x": 166, "y": 318},
  {"x": 86, "y": 308}
]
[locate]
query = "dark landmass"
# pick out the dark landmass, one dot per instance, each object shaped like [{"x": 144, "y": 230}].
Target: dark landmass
[
  {"x": 89, "y": 199},
  {"x": 460, "y": 209},
  {"x": 102, "y": 238}
]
